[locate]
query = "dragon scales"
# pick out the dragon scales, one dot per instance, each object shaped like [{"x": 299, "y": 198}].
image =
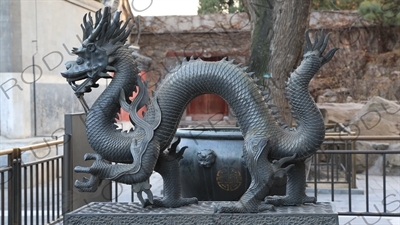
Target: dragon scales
[{"x": 269, "y": 149}]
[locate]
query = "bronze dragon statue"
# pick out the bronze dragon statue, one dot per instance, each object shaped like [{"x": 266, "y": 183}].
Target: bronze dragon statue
[{"x": 269, "y": 149}]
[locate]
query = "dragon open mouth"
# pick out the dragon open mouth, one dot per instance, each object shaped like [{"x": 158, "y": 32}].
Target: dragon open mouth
[
  {"x": 84, "y": 80},
  {"x": 86, "y": 85},
  {"x": 80, "y": 81}
]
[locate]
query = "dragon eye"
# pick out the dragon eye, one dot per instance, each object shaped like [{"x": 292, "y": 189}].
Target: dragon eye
[
  {"x": 91, "y": 47},
  {"x": 79, "y": 61}
]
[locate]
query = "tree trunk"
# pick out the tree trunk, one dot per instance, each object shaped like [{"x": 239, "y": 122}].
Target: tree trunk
[{"x": 277, "y": 40}]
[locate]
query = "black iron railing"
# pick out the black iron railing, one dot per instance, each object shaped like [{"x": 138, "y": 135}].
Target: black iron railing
[
  {"x": 31, "y": 190},
  {"x": 349, "y": 158},
  {"x": 335, "y": 165}
]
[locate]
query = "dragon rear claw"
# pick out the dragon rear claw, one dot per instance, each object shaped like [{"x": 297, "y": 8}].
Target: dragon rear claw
[
  {"x": 280, "y": 172},
  {"x": 289, "y": 200},
  {"x": 148, "y": 201},
  {"x": 278, "y": 163},
  {"x": 237, "y": 207},
  {"x": 139, "y": 188}
]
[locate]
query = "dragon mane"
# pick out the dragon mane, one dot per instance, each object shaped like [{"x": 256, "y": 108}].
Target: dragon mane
[{"x": 106, "y": 32}]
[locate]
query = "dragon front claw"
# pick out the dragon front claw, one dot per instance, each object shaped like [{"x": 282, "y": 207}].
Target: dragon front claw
[
  {"x": 90, "y": 184},
  {"x": 81, "y": 169},
  {"x": 94, "y": 169},
  {"x": 92, "y": 156},
  {"x": 171, "y": 203}
]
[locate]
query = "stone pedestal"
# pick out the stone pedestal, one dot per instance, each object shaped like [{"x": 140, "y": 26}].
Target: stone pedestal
[{"x": 132, "y": 213}]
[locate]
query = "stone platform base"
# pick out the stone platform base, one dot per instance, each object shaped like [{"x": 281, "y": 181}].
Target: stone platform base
[{"x": 132, "y": 213}]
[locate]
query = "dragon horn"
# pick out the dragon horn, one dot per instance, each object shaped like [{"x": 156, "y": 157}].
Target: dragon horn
[
  {"x": 116, "y": 17},
  {"x": 99, "y": 26},
  {"x": 86, "y": 27}
]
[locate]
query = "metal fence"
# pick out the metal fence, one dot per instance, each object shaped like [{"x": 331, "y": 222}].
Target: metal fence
[
  {"x": 337, "y": 163},
  {"x": 331, "y": 179},
  {"x": 31, "y": 190}
]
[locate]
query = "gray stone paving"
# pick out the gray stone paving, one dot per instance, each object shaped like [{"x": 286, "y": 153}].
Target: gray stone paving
[
  {"x": 375, "y": 201},
  {"x": 123, "y": 212}
]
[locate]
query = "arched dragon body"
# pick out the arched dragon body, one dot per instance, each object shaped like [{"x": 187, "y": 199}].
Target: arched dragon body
[{"x": 142, "y": 150}]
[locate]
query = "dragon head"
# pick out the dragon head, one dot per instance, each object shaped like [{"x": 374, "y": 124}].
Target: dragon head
[{"x": 95, "y": 55}]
